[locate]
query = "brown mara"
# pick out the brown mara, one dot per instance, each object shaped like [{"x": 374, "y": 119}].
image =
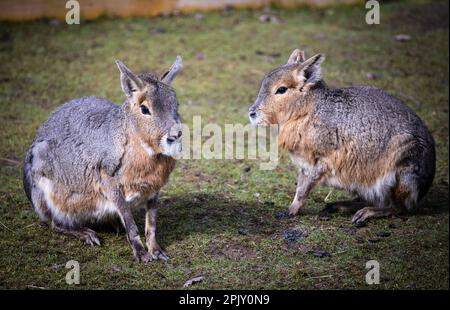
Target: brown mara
[{"x": 360, "y": 139}]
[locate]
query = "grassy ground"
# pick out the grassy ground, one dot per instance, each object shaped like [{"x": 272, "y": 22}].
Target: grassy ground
[{"x": 220, "y": 220}]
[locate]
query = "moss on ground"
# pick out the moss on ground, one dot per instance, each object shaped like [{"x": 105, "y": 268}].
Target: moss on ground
[{"x": 214, "y": 224}]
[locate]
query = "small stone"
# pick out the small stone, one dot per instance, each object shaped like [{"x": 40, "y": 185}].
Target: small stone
[
  {"x": 403, "y": 37},
  {"x": 321, "y": 253},
  {"x": 247, "y": 168}
]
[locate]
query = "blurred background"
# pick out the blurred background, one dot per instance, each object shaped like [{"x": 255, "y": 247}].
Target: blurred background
[{"x": 33, "y": 9}]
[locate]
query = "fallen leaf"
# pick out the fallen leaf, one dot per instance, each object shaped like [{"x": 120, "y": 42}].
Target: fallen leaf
[
  {"x": 58, "y": 266},
  {"x": 193, "y": 281}
]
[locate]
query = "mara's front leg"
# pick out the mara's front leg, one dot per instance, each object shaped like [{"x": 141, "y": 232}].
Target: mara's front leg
[
  {"x": 150, "y": 230},
  {"x": 306, "y": 180},
  {"x": 139, "y": 252}
]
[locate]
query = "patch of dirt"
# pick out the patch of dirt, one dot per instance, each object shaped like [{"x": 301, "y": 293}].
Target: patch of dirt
[
  {"x": 427, "y": 17},
  {"x": 232, "y": 251}
]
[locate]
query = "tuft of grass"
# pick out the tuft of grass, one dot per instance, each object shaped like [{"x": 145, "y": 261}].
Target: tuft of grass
[{"x": 213, "y": 223}]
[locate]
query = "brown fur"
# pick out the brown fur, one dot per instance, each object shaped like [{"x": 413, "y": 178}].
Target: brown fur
[{"x": 142, "y": 173}]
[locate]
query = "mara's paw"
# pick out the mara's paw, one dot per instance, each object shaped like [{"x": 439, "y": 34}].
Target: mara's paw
[
  {"x": 89, "y": 236},
  {"x": 84, "y": 234},
  {"x": 158, "y": 254},
  {"x": 293, "y": 209},
  {"x": 362, "y": 216},
  {"x": 143, "y": 257}
]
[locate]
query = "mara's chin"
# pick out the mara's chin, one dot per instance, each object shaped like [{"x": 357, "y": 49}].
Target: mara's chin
[
  {"x": 173, "y": 149},
  {"x": 257, "y": 122}
]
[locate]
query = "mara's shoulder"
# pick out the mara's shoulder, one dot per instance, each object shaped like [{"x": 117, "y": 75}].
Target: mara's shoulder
[
  {"x": 90, "y": 102},
  {"x": 86, "y": 107},
  {"x": 360, "y": 93},
  {"x": 362, "y": 90}
]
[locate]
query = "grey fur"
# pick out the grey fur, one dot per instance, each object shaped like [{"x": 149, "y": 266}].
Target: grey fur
[{"x": 82, "y": 145}]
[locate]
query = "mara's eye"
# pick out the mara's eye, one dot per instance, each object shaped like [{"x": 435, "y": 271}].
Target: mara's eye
[
  {"x": 145, "y": 110},
  {"x": 281, "y": 90}
]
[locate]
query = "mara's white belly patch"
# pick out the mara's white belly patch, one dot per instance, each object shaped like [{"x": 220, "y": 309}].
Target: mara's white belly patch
[
  {"x": 46, "y": 186},
  {"x": 103, "y": 209},
  {"x": 377, "y": 191}
]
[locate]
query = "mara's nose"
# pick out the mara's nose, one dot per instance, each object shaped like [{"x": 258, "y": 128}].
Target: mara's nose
[
  {"x": 172, "y": 139},
  {"x": 252, "y": 114}
]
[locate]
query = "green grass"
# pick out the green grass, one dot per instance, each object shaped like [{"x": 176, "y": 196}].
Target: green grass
[{"x": 213, "y": 223}]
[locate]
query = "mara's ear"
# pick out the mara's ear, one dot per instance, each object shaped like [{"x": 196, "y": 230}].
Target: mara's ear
[
  {"x": 297, "y": 57},
  {"x": 128, "y": 80},
  {"x": 309, "y": 71},
  {"x": 170, "y": 75}
]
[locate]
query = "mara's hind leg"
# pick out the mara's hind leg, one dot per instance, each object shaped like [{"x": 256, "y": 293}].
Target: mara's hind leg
[
  {"x": 83, "y": 233},
  {"x": 40, "y": 205},
  {"x": 344, "y": 206},
  {"x": 406, "y": 194},
  {"x": 402, "y": 197},
  {"x": 362, "y": 216}
]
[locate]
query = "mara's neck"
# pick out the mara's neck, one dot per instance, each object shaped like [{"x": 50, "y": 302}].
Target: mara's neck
[{"x": 294, "y": 128}]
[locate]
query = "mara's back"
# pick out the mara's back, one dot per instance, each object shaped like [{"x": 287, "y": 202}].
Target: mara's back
[
  {"x": 380, "y": 130},
  {"x": 371, "y": 117},
  {"x": 80, "y": 138}
]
